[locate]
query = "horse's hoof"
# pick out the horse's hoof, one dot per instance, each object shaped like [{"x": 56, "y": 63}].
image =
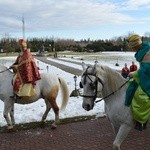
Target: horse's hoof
[
  {"x": 10, "y": 127},
  {"x": 53, "y": 126},
  {"x": 11, "y": 130}
]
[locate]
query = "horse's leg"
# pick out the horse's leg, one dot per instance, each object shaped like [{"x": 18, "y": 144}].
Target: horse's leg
[
  {"x": 115, "y": 128},
  {"x": 8, "y": 106},
  {"x": 48, "y": 107},
  {"x": 51, "y": 98},
  {"x": 121, "y": 135},
  {"x": 56, "y": 111},
  {"x": 12, "y": 116}
]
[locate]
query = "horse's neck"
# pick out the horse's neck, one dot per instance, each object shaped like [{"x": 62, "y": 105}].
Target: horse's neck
[{"x": 114, "y": 81}]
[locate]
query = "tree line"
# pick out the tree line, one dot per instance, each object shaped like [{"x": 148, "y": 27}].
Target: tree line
[{"x": 8, "y": 45}]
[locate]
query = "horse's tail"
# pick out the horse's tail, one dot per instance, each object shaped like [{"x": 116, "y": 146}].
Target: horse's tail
[{"x": 64, "y": 92}]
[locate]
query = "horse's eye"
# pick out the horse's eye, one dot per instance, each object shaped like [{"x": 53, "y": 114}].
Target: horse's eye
[{"x": 81, "y": 85}]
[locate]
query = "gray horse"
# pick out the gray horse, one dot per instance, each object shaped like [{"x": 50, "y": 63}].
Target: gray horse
[
  {"x": 46, "y": 88},
  {"x": 102, "y": 81}
]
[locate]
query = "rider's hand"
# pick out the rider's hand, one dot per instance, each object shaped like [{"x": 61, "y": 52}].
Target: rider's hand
[
  {"x": 14, "y": 67},
  {"x": 10, "y": 67}
]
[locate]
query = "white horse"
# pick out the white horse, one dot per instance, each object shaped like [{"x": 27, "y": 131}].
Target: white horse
[
  {"x": 46, "y": 88},
  {"x": 102, "y": 81}
]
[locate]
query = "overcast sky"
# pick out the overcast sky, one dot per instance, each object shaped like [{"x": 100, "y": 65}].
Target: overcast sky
[{"x": 74, "y": 19}]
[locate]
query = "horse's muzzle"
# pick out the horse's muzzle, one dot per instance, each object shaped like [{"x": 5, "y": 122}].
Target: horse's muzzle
[{"x": 88, "y": 107}]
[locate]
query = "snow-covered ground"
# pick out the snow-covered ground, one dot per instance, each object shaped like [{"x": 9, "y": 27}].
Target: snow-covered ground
[
  {"x": 104, "y": 58},
  {"x": 34, "y": 111}
]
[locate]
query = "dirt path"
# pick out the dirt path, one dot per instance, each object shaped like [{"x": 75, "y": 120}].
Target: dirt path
[
  {"x": 82, "y": 135},
  {"x": 61, "y": 66}
]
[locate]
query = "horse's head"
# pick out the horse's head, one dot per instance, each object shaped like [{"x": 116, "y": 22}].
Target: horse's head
[{"x": 92, "y": 85}]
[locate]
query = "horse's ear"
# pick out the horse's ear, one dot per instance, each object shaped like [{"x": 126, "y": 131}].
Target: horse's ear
[
  {"x": 84, "y": 66},
  {"x": 102, "y": 68},
  {"x": 95, "y": 68}
]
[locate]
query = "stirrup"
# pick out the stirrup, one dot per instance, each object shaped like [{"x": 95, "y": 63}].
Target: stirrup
[{"x": 15, "y": 97}]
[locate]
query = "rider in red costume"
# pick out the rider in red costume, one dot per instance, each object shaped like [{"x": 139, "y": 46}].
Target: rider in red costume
[{"x": 26, "y": 71}]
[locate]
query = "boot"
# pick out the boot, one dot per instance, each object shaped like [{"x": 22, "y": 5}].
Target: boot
[
  {"x": 145, "y": 125},
  {"x": 138, "y": 126}
]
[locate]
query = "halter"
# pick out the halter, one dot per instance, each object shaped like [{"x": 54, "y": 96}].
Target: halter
[
  {"x": 86, "y": 74},
  {"x": 94, "y": 84}
]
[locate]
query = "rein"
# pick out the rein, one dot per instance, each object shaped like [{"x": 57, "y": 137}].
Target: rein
[
  {"x": 4, "y": 70},
  {"x": 99, "y": 80},
  {"x": 112, "y": 92}
]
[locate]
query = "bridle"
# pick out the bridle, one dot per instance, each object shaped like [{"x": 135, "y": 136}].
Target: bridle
[
  {"x": 93, "y": 84},
  {"x": 86, "y": 74}
]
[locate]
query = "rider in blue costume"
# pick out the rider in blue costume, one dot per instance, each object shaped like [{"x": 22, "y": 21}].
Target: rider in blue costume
[{"x": 138, "y": 92}]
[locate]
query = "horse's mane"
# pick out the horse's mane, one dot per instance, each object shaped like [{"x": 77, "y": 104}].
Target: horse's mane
[{"x": 114, "y": 78}]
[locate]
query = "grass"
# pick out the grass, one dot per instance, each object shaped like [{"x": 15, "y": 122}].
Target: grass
[
  {"x": 8, "y": 54},
  {"x": 33, "y": 125}
]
